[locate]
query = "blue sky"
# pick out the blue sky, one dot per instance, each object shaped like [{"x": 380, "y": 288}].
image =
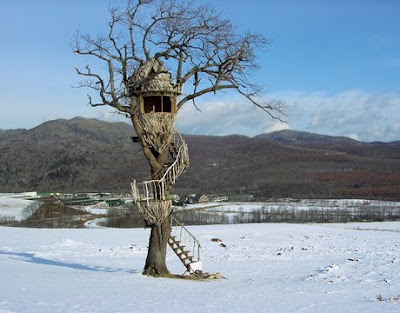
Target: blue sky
[{"x": 336, "y": 64}]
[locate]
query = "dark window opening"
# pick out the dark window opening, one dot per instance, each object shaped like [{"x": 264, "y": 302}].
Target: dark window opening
[
  {"x": 152, "y": 104},
  {"x": 157, "y": 104},
  {"x": 167, "y": 104}
]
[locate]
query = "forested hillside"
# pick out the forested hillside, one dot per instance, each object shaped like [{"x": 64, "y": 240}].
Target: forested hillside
[{"x": 90, "y": 155}]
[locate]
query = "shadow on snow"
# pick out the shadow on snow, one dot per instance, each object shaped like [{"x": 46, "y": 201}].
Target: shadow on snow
[{"x": 30, "y": 257}]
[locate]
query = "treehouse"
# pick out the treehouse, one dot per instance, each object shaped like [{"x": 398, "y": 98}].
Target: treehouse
[
  {"x": 154, "y": 97},
  {"x": 152, "y": 89}
]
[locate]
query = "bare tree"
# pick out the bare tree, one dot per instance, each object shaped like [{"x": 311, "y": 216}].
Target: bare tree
[{"x": 159, "y": 55}]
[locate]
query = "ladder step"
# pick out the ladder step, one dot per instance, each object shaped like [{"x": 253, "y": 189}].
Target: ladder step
[
  {"x": 189, "y": 259},
  {"x": 185, "y": 256},
  {"x": 186, "y": 253},
  {"x": 177, "y": 250},
  {"x": 176, "y": 243},
  {"x": 173, "y": 240}
]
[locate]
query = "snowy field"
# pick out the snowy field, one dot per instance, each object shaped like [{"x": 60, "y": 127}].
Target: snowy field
[
  {"x": 268, "y": 268},
  {"x": 19, "y": 209},
  {"x": 292, "y": 204},
  {"x": 15, "y": 208}
]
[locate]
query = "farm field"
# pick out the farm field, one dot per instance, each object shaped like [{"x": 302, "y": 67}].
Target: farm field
[
  {"x": 291, "y": 211},
  {"x": 271, "y": 211}
]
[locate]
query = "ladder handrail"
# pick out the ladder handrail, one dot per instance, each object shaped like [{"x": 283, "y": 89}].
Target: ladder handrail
[{"x": 175, "y": 222}]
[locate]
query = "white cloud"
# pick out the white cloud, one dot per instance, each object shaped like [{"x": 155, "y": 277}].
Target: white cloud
[
  {"x": 315, "y": 120},
  {"x": 224, "y": 117},
  {"x": 353, "y": 136},
  {"x": 107, "y": 114},
  {"x": 369, "y": 115},
  {"x": 359, "y": 114},
  {"x": 276, "y": 126},
  {"x": 395, "y": 127},
  {"x": 356, "y": 113}
]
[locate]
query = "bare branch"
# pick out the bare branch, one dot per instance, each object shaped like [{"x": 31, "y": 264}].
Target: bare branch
[
  {"x": 196, "y": 44},
  {"x": 203, "y": 92},
  {"x": 268, "y": 107}
]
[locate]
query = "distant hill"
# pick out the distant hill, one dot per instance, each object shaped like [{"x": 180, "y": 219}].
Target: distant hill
[
  {"x": 68, "y": 155},
  {"x": 90, "y": 155},
  {"x": 303, "y": 138},
  {"x": 8, "y": 133},
  {"x": 332, "y": 143}
]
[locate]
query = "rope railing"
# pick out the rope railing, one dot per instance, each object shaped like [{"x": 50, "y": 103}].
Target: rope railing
[{"x": 157, "y": 189}]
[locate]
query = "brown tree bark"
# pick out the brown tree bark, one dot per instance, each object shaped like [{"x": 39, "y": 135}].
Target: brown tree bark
[
  {"x": 157, "y": 253},
  {"x": 156, "y": 256}
]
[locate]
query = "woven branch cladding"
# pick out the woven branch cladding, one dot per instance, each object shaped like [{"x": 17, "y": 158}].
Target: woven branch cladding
[
  {"x": 151, "y": 197},
  {"x": 152, "y": 77},
  {"x": 158, "y": 129},
  {"x": 155, "y": 211},
  {"x": 155, "y": 94}
]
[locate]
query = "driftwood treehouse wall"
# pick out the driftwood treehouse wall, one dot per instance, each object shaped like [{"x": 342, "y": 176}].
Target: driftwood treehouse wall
[{"x": 155, "y": 96}]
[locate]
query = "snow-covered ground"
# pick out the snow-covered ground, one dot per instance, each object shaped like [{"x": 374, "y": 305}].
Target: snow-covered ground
[
  {"x": 97, "y": 209},
  {"x": 95, "y": 223},
  {"x": 15, "y": 208},
  {"x": 268, "y": 268}
]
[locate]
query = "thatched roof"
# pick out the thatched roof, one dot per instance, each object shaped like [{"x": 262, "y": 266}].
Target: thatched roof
[{"x": 152, "y": 77}]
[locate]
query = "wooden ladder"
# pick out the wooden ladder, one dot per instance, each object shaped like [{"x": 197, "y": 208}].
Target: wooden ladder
[{"x": 185, "y": 245}]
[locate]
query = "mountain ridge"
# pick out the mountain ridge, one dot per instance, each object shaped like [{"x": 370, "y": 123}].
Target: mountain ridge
[
  {"x": 283, "y": 136},
  {"x": 83, "y": 154},
  {"x": 289, "y": 136}
]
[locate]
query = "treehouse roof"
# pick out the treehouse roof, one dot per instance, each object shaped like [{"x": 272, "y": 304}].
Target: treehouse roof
[{"x": 152, "y": 77}]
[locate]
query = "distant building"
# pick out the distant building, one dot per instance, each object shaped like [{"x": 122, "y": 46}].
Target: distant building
[
  {"x": 198, "y": 198},
  {"x": 182, "y": 201},
  {"x": 115, "y": 202},
  {"x": 22, "y": 195},
  {"x": 213, "y": 198},
  {"x": 174, "y": 198},
  {"x": 80, "y": 201}
]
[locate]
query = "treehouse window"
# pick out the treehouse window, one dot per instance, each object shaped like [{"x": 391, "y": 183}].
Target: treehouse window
[
  {"x": 167, "y": 104},
  {"x": 157, "y": 104}
]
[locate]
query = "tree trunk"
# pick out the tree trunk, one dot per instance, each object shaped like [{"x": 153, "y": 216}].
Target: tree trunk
[
  {"x": 158, "y": 242},
  {"x": 157, "y": 253}
]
